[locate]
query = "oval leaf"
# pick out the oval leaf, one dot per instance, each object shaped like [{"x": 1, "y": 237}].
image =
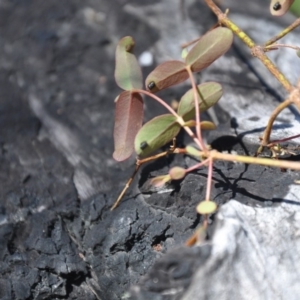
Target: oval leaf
[
  {"x": 209, "y": 94},
  {"x": 177, "y": 173},
  {"x": 206, "y": 207},
  {"x": 190, "y": 123},
  {"x": 155, "y": 134},
  {"x": 165, "y": 75},
  {"x": 210, "y": 46},
  {"x": 205, "y": 125},
  {"x": 129, "y": 115},
  {"x": 128, "y": 74},
  {"x": 280, "y": 7}
]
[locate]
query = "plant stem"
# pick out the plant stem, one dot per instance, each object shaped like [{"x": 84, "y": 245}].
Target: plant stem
[
  {"x": 197, "y": 110},
  {"x": 163, "y": 103},
  {"x": 255, "y": 160},
  {"x": 276, "y": 46},
  {"x": 284, "y": 32},
  {"x": 294, "y": 98},
  {"x": 172, "y": 111},
  {"x": 209, "y": 179},
  {"x": 127, "y": 185},
  {"x": 274, "y": 142},
  {"x": 275, "y": 113},
  {"x": 256, "y": 51},
  {"x": 224, "y": 20},
  {"x": 189, "y": 43},
  {"x": 197, "y": 166},
  {"x": 138, "y": 164}
]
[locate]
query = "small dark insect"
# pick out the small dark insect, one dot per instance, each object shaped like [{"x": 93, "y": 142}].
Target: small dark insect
[
  {"x": 277, "y": 6},
  {"x": 143, "y": 145},
  {"x": 151, "y": 85}
]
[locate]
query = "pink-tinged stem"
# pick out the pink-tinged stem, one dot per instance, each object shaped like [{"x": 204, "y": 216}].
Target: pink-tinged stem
[
  {"x": 197, "y": 166},
  {"x": 284, "y": 140},
  {"x": 197, "y": 111},
  {"x": 209, "y": 179},
  {"x": 173, "y": 112}
]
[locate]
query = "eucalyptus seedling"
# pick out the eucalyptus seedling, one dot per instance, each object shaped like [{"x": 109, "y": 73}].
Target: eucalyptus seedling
[{"x": 131, "y": 135}]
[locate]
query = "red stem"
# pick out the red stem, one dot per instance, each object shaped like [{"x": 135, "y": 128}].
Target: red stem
[
  {"x": 196, "y": 166},
  {"x": 209, "y": 179},
  {"x": 197, "y": 111},
  {"x": 172, "y": 111},
  {"x": 284, "y": 140}
]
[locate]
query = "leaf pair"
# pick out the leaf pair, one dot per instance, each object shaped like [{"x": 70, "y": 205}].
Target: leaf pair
[
  {"x": 162, "y": 129},
  {"x": 209, "y": 47},
  {"x": 128, "y": 134},
  {"x": 129, "y": 111}
]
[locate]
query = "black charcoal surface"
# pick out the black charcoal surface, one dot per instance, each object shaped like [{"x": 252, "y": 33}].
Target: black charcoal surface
[{"x": 58, "y": 237}]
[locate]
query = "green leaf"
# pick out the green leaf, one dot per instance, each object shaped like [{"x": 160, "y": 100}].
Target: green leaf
[
  {"x": 155, "y": 134},
  {"x": 129, "y": 115},
  {"x": 210, "y": 47},
  {"x": 165, "y": 75},
  {"x": 177, "y": 173},
  {"x": 206, "y": 207},
  {"x": 209, "y": 94},
  {"x": 128, "y": 74},
  {"x": 295, "y": 8},
  {"x": 184, "y": 53},
  {"x": 207, "y": 125}
]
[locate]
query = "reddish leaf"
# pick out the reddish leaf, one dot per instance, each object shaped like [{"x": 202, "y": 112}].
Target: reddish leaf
[
  {"x": 210, "y": 46},
  {"x": 128, "y": 74},
  {"x": 128, "y": 121},
  {"x": 165, "y": 75}
]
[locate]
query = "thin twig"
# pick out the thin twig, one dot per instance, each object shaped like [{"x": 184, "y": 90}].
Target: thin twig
[
  {"x": 257, "y": 51},
  {"x": 283, "y": 32},
  {"x": 197, "y": 110}
]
